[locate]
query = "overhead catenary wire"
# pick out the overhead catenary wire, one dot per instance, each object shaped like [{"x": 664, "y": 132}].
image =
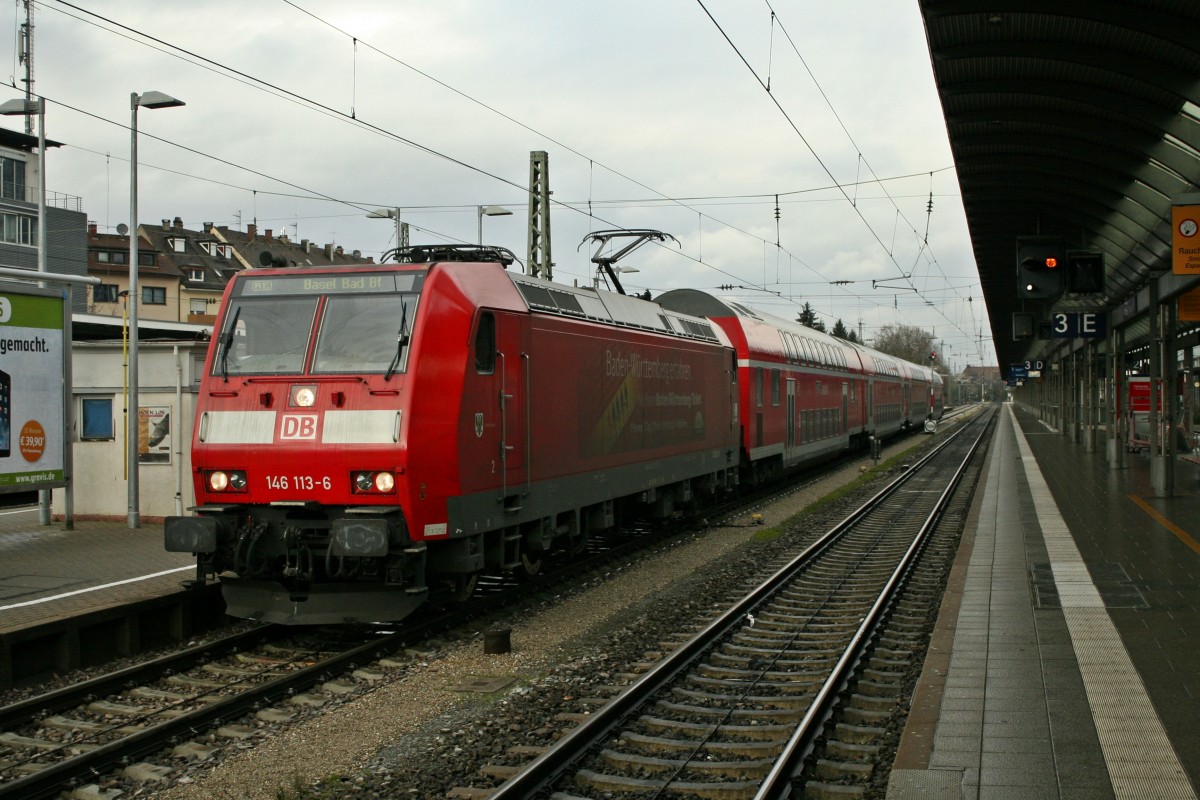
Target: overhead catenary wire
[
  {"x": 812, "y": 150},
  {"x": 355, "y": 117}
]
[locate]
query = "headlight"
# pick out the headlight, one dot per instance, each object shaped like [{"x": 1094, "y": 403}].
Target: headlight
[
  {"x": 374, "y": 482},
  {"x": 303, "y": 396},
  {"x": 227, "y": 481}
]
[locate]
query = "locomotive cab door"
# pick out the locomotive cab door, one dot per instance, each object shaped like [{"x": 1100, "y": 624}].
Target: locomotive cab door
[
  {"x": 496, "y": 408},
  {"x": 512, "y": 394}
]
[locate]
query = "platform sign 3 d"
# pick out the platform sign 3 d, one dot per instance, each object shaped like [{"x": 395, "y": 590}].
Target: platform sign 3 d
[{"x": 31, "y": 390}]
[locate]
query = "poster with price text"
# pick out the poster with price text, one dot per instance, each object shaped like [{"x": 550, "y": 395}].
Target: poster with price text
[{"x": 31, "y": 390}]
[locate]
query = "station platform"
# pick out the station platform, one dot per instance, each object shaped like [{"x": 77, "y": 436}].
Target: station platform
[
  {"x": 49, "y": 573},
  {"x": 1066, "y": 659}
]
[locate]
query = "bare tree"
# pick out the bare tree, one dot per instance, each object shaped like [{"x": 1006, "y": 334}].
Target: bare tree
[{"x": 905, "y": 341}]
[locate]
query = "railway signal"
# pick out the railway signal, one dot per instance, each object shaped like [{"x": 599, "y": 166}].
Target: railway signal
[
  {"x": 1041, "y": 273},
  {"x": 1085, "y": 272}
]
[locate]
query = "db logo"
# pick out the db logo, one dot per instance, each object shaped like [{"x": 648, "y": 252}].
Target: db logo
[
  {"x": 298, "y": 426},
  {"x": 5, "y": 309}
]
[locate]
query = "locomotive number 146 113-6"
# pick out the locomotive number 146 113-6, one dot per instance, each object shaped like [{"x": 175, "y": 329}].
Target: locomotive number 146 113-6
[{"x": 300, "y": 482}]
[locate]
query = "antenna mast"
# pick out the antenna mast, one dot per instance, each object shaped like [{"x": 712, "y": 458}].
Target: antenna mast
[{"x": 26, "y": 58}]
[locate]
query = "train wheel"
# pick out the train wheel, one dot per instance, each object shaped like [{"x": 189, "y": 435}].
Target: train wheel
[
  {"x": 576, "y": 545},
  {"x": 531, "y": 564},
  {"x": 463, "y": 586}
]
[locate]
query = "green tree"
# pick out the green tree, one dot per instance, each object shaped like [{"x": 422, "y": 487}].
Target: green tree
[
  {"x": 808, "y": 318},
  {"x": 840, "y": 331}
]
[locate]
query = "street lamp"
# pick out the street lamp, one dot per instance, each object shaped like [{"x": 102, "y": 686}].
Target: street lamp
[
  {"x": 489, "y": 211},
  {"x": 401, "y": 227},
  {"x": 145, "y": 100}
]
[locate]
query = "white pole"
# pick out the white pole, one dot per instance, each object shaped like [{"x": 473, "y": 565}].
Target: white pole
[{"x": 131, "y": 412}]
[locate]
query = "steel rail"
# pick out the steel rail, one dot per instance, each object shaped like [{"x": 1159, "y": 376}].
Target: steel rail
[
  {"x": 51, "y": 780},
  {"x": 778, "y": 784},
  {"x": 535, "y": 777},
  {"x": 23, "y": 712}
]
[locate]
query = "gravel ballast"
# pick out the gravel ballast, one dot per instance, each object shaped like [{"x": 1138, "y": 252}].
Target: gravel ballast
[{"x": 419, "y": 734}]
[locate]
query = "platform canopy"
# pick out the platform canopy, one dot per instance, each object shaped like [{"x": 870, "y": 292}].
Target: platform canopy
[{"x": 1077, "y": 119}]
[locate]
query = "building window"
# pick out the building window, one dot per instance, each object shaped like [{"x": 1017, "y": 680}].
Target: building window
[
  {"x": 223, "y": 250},
  {"x": 145, "y": 259},
  {"x": 12, "y": 173},
  {"x": 105, "y": 293},
  {"x": 118, "y": 257},
  {"x": 208, "y": 247},
  {"x": 154, "y": 295},
  {"x": 197, "y": 306},
  {"x": 195, "y": 274},
  {"x": 177, "y": 244},
  {"x": 96, "y": 417},
  {"x": 18, "y": 229}
]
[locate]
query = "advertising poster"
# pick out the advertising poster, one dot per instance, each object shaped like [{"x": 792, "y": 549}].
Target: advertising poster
[
  {"x": 154, "y": 434},
  {"x": 31, "y": 391}
]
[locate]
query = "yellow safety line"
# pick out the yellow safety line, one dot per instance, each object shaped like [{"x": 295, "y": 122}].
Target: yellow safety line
[{"x": 1180, "y": 533}]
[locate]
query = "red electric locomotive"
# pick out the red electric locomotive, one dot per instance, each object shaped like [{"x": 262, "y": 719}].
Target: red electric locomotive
[{"x": 365, "y": 435}]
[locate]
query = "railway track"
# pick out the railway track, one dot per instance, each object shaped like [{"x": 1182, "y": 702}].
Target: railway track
[
  {"x": 786, "y": 688},
  {"x": 60, "y": 740},
  {"x": 169, "y": 708}
]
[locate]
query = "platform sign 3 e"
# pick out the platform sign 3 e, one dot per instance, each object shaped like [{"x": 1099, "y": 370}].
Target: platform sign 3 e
[{"x": 1078, "y": 325}]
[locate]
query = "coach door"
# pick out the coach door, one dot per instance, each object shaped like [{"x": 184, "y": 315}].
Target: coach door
[
  {"x": 843, "y": 426},
  {"x": 871, "y": 405},
  {"x": 791, "y": 414},
  {"x": 512, "y": 390}
]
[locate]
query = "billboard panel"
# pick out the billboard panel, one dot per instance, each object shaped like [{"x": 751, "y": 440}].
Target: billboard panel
[{"x": 32, "y": 388}]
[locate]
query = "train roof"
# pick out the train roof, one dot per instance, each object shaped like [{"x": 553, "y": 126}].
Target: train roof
[
  {"x": 694, "y": 301},
  {"x": 609, "y": 307}
]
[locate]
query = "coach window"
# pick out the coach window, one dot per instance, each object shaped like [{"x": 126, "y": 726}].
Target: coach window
[
  {"x": 758, "y": 389},
  {"x": 485, "y": 344},
  {"x": 775, "y": 377}
]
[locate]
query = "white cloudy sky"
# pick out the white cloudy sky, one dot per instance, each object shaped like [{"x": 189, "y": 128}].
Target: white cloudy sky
[{"x": 650, "y": 116}]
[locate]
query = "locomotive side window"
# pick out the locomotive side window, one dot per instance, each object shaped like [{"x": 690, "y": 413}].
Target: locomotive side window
[{"x": 485, "y": 344}]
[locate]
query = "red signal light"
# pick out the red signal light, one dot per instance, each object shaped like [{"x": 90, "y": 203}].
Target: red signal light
[{"x": 1051, "y": 262}]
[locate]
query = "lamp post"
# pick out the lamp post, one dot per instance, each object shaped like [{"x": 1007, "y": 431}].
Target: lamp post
[
  {"x": 144, "y": 100},
  {"x": 401, "y": 227},
  {"x": 489, "y": 211}
]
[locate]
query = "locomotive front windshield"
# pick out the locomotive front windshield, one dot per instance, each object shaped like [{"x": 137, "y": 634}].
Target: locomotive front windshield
[{"x": 326, "y": 324}]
